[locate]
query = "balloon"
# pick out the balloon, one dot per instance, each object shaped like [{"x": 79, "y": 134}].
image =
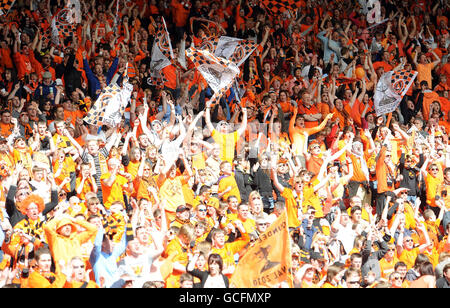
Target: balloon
[{"x": 360, "y": 72}]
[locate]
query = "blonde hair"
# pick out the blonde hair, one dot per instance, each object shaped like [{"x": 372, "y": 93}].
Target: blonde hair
[
  {"x": 204, "y": 247},
  {"x": 253, "y": 194},
  {"x": 186, "y": 230}
]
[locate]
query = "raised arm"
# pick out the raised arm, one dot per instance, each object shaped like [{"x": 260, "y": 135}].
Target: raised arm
[{"x": 243, "y": 126}]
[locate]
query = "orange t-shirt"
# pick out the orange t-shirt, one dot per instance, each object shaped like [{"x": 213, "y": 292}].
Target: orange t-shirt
[
  {"x": 424, "y": 72},
  {"x": 311, "y": 110},
  {"x": 171, "y": 76},
  {"x": 87, "y": 187},
  {"x": 115, "y": 191}
]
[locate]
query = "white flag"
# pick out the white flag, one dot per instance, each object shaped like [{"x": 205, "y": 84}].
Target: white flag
[
  {"x": 390, "y": 90},
  {"x": 218, "y": 72}
]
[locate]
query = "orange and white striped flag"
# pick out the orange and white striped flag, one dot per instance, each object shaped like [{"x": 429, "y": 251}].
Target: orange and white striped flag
[{"x": 219, "y": 73}]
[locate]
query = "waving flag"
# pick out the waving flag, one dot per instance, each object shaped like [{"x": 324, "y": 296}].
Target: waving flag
[
  {"x": 234, "y": 49},
  {"x": 268, "y": 262},
  {"x": 275, "y": 7},
  {"x": 390, "y": 90},
  {"x": 209, "y": 43},
  {"x": 64, "y": 23},
  {"x": 110, "y": 105},
  {"x": 162, "y": 53},
  {"x": 5, "y": 6},
  {"x": 218, "y": 72}
]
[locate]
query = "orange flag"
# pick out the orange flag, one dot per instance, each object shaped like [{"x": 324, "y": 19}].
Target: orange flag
[{"x": 268, "y": 262}]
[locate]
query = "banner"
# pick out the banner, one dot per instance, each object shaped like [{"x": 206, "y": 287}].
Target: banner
[
  {"x": 5, "y": 6},
  {"x": 374, "y": 14},
  {"x": 219, "y": 73},
  {"x": 276, "y": 7},
  {"x": 390, "y": 90},
  {"x": 268, "y": 262},
  {"x": 110, "y": 106},
  {"x": 162, "y": 53},
  {"x": 74, "y": 14}
]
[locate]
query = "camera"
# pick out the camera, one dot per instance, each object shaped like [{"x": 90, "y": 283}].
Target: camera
[{"x": 444, "y": 193}]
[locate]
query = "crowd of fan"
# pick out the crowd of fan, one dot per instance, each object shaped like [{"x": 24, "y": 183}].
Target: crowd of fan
[{"x": 178, "y": 192}]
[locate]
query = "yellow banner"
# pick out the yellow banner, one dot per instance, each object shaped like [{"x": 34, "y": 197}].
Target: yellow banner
[{"x": 268, "y": 262}]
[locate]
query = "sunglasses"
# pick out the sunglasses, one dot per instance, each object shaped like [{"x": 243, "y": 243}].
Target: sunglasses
[{"x": 202, "y": 210}]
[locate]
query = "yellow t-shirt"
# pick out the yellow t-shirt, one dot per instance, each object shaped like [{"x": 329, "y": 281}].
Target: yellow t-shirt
[
  {"x": 227, "y": 144},
  {"x": 229, "y": 181},
  {"x": 292, "y": 205},
  {"x": 172, "y": 192},
  {"x": 409, "y": 257},
  {"x": 312, "y": 199}
]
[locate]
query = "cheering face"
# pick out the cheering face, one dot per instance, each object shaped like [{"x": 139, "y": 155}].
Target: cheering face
[
  {"x": 142, "y": 235},
  {"x": 42, "y": 128},
  {"x": 300, "y": 122},
  {"x": 315, "y": 149},
  {"x": 44, "y": 263},
  {"x": 157, "y": 127},
  {"x": 388, "y": 157},
  {"x": 224, "y": 128},
  {"x": 201, "y": 212},
  {"x": 357, "y": 148},
  {"x": 65, "y": 230},
  {"x": 233, "y": 204},
  {"x": 257, "y": 205},
  {"x": 135, "y": 248},
  {"x": 408, "y": 243},
  {"x": 434, "y": 170},
  {"x": 33, "y": 211},
  {"x": 93, "y": 147},
  {"x": 243, "y": 212},
  {"x": 78, "y": 270},
  {"x": 219, "y": 239},
  {"x": 199, "y": 231}
]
